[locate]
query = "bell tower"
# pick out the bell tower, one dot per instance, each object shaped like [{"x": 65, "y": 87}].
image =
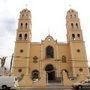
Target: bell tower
[
  {"x": 22, "y": 44},
  {"x": 78, "y": 57},
  {"x": 24, "y": 26},
  {"x": 73, "y": 26}
]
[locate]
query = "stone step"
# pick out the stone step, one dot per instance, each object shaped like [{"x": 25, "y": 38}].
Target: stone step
[{"x": 47, "y": 88}]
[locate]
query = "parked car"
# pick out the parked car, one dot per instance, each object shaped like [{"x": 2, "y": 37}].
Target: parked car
[
  {"x": 8, "y": 82},
  {"x": 82, "y": 85}
]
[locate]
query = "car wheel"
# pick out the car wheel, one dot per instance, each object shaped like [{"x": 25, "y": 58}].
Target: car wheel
[
  {"x": 4, "y": 87},
  {"x": 79, "y": 87}
]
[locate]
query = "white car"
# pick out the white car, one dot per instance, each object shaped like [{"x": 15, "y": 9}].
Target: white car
[
  {"x": 82, "y": 84},
  {"x": 8, "y": 82}
]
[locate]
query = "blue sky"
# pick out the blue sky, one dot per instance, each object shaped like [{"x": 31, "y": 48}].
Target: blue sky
[{"x": 48, "y": 16}]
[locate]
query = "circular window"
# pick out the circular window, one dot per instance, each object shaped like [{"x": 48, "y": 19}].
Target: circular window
[
  {"x": 21, "y": 50},
  {"x": 80, "y": 69},
  {"x": 19, "y": 70},
  {"x": 78, "y": 50}
]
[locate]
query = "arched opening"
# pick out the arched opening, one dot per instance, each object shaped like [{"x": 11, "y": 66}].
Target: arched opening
[
  {"x": 21, "y": 25},
  {"x": 75, "y": 15},
  {"x": 77, "y": 25},
  {"x": 49, "y": 52},
  {"x": 20, "y": 36},
  {"x": 70, "y": 16},
  {"x": 73, "y": 36},
  {"x": 26, "y": 25},
  {"x": 72, "y": 25},
  {"x": 50, "y": 73},
  {"x": 35, "y": 75},
  {"x": 25, "y": 36},
  {"x": 78, "y": 35}
]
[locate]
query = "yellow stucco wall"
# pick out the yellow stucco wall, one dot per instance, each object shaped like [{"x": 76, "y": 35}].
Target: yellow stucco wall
[{"x": 26, "y": 51}]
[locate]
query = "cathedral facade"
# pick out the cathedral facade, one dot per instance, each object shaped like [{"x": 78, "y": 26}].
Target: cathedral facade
[{"x": 47, "y": 62}]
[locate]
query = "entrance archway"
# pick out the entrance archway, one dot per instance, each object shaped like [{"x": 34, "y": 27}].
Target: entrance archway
[{"x": 50, "y": 70}]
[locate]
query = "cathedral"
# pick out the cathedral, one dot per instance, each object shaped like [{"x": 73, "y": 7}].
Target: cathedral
[{"x": 49, "y": 62}]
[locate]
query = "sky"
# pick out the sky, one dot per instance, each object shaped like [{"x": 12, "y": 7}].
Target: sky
[{"x": 48, "y": 17}]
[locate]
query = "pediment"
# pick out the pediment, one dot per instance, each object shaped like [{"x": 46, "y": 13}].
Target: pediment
[{"x": 49, "y": 39}]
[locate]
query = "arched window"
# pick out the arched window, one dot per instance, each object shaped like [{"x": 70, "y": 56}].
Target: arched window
[
  {"x": 20, "y": 36},
  {"x": 78, "y": 35},
  {"x": 70, "y": 16},
  {"x": 35, "y": 75},
  {"x": 50, "y": 70},
  {"x": 73, "y": 36},
  {"x": 25, "y": 36},
  {"x": 49, "y": 52},
  {"x": 77, "y": 25},
  {"x": 63, "y": 59},
  {"x": 26, "y": 25},
  {"x": 72, "y": 25},
  {"x": 21, "y": 25},
  {"x": 75, "y": 15}
]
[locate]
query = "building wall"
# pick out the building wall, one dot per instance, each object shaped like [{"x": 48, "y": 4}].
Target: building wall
[{"x": 49, "y": 60}]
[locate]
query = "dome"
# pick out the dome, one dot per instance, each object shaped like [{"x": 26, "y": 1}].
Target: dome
[
  {"x": 25, "y": 10},
  {"x": 71, "y": 11},
  {"x": 25, "y": 14}
]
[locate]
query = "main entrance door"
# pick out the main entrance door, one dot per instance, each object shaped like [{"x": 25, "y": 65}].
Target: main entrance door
[{"x": 50, "y": 73}]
